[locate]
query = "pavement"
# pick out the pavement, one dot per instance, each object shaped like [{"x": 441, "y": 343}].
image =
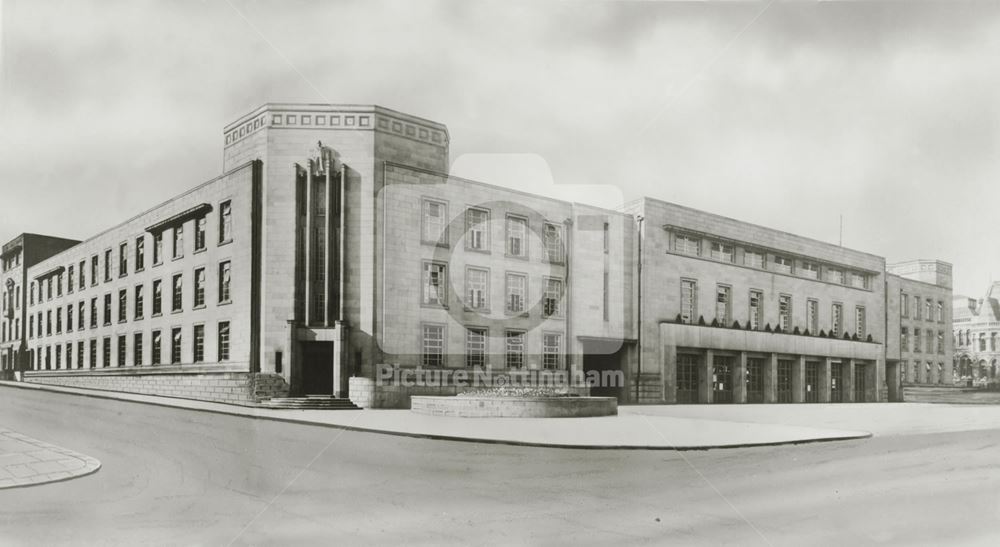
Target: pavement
[
  {"x": 25, "y": 461},
  {"x": 631, "y": 429}
]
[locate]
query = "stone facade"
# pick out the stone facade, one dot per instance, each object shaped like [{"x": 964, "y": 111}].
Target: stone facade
[{"x": 975, "y": 332}]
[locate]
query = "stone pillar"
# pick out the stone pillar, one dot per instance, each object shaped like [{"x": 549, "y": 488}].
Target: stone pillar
[
  {"x": 341, "y": 371},
  {"x": 668, "y": 372},
  {"x": 771, "y": 379},
  {"x": 740, "y": 379},
  {"x": 799, "y": 380},
  {"x": 824, "y": 380},
  {"x": 705, "y": 378},
  {"x": 847, "y": 377},
  {"x": 874, "y": 375},
  {"x": 892, "y": 380}
]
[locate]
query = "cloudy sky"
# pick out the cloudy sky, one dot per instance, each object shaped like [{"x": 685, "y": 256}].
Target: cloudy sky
[{"x": 787, "y": 115}]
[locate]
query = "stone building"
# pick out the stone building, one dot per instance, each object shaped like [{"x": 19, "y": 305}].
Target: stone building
[
  {"x": 975, "y": 328},
  {"x": 918, "y": 348},
  {"x": 737, "y": 313},
  {"x": 336, "y": 242},
  {"x": 17, "y": 256}
]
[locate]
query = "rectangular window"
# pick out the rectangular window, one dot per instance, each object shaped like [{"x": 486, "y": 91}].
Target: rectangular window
[
  {"x": 940, "y": 312},
  {"x": 177, "y": 289},
  {"x": 122, "y": 305},
  {"x": 59, "y": 320},
  {"x": 137, "y": 349},
  {"x": 58, "y": 357},
  {"x": 916, "y": 307},
  {"x": 79, "y": 354},
  {"x": 93, "y": 353},
  {"x": 175, "y": 345},
  {"x": 477, "y": 229},
  {"x": 139, "y": 299},
  {"x": 179, "y": 241},
  {"x": 754, "y": 259},
  {"x": 514, "y": 349},
  {"x": 157, "y": 297},
  {"x": 785, "y": 313},
  {"x": 83, "y": 275},
  {"x": 551, "y": 351},
  {"x": 554, "y": 249},
  {"x": 107, "y": 265},
  {"x": 810, "y": 270},
  {"x": 904, "y": 341},
  {"x": 916, "y": 341},
  {"x": 69, "y": 318},
  {"x": 940, "y": 342},
  {"x": 782, "y": 264},
  {"x": 723, "y": 305},
  {"x": 722, "y": 251},
  {"x": 689, "y": 300},
  {"x": 140, "y": 253},
  {"x": 121, "y": 350},
  {"x": 433, "y": 345},
  {"x": 198, "y": 339},
  {"x": 223, "y": 340},
  {"x": 516, "y": 290},
  {"x": 861, "y": 322},
  {"x": 157, "y": 248},
  {"x": 59, "y": 284},
  {"x": 106, "y": 353},
  {"x": 553, "y": 297},
  {"x": 686, "y": 244},
  {"x": 930, "y": 342},
  {"x": 156, "y": 348},
  {"x": 929, "y": 310},
  {"x": 94, "y": 269},
  {"x": 225, "y": 270},
  {"x": 435, "y": 284},
  {"x": 123, "y": 260},
  {"x": 199, "y": 287},
  {"x": 834, "y": 275},
  {"x": 756, "y": 309},
  {"x": 859, "y": 280},
  {"x": 107, "y": 309},
  {"x": 48, "y": 289},
  {"x": 837, "y": 325},
  {"x": 517, "y": 237},
  {"x": 200, "y": 227},
  {"x": 477, "y": 288},
  {"x": 812, "y": 316},
  {"x": 70, "y": 278},
  {"x": 434, "y": 228},
  {"x": 475, "y": 347},
  {"x": 904, "y": 305},
  {"x": 225, "y": 222}
]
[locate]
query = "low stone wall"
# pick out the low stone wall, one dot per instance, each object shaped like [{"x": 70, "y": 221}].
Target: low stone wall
[
  {"x": 241, "y": 388},
  {"x": 515, "y": 407},
  {"x": 367, "y": 393}
]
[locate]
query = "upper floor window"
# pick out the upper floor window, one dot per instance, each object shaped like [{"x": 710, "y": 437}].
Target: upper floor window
[
  {"x": 177, "y": 303},
  {"x": 225, "y": 275},
  {"x": 477, "y": 229},
  {"x": 782, "y": 264},
  {"x": 83, "y": 274},
  {"x": 434, "y": 224},
  {"x": 70, "y": 270},
  {"x": 140, "y": 253},
  {"x": 157, "y": 297},
  {"x": 812, "y": 316},
  {"x": 517, "y": 289},
  {"x": 723, "y": 304},
  {"x": 94, "y": 269},
  {"x": 722, "y": 251},
  {"x": 123, "y": 260},
  {"x": 199, "y": 287},
  {"x": 929, "y": 310},
  {"x": 860, "y": 321},
  {"x": 225, "y": 221},
  {"x": 940, "y": 312},
  {"x": 833, "y": 275},
  {"x": 837, "y": 323},
  {"x": 179, "y": 241},
  {"x": 756, "y": 309},
  {"x": 686, "y": 244},
  {"x": 157, "y": 248},
  {"x": 517, "y": 234},
  {"x": 810, "y": 270},
  {"x": 477, "y": 282},
  {"x": 904, "y": 339},
  {"x": 553, "y": 297},
  {"x": 59, "y": 284},
  {"x": 859, "y": 280},
  {"x": 904, "y": 305},
  {"x": 689, "y": 300},
  {"x": 785, "y": 312},
  {"x": 107, "y": 265},
  {"x": 435, "y": 283},
  {"x": 200, "y": 227},
  {"x": 916, "y": 307},
  {"x": 554, "y": 250}
]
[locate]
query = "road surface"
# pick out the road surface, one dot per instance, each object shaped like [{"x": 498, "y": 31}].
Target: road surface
[{"x": 181, "y": 477}]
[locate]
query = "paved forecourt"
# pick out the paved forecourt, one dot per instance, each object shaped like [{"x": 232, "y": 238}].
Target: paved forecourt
[
  {"x": 627, "y": 430},
  {"x": 25, "y": 461}
]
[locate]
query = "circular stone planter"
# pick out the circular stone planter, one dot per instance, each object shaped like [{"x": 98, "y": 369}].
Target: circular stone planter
[{"x": 515, "y": 407}]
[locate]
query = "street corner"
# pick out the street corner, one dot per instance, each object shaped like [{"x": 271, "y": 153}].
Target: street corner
[{"x": 25, "y": 461}]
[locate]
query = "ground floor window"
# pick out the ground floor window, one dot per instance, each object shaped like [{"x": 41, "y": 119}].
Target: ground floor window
[
  {"x": 106, "y": 361},
  {"x": 156, "y": 348},
  {"x": 121, "y": 350},
  {"x": 175, "y": 345},
  {"x": 514, "y": 349},
  {"x": 137, "y": 349},
  {"x": 223, "y": 340},
  {"x": 551, "y": 350},
  {"x": 722, "y": 379},
  {"x": 785, "y": 367},
  {"x": 755, "y": 380},
  {"x": 812, "y": 382},
  {"x": 432, "y": 350},
  {"x": 475, "y": 347}
]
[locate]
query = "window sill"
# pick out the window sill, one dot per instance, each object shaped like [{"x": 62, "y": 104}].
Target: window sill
[
  {"x": 199, "y": 251},
  {"x": 175, "y": 312},
  {"x": 140, "y": 270},
  {"x": 433, "y": 306},
  {"x": 516, "y": 257},
  {"x": 435, "y": 244},
  {"x": 225, "y": 242},
  {"x": 480, "y": 251},
  {"x": 176, "y": 258},
  {"x": 225, "y": 303},
  {"x": 198, "y": 307}
]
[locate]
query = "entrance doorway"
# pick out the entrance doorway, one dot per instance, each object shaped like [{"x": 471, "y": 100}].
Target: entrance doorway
[
  {"x": 687, "y": 378},
  {"x": 755, "y": 380},
  {"x": 317, "y": 368},
  {"x": 604, "y": 361},
  {"x": 812, "y": 382},
  {"x": 836, "y": 382},
  {"x": 860, "y": 387},
  {"x": 722, "y": 379}
]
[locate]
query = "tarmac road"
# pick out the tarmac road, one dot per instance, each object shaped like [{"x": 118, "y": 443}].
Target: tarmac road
[{"x": 181, "y": 477}]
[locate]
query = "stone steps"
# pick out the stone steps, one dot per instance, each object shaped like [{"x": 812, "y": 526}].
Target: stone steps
[
  {"x": 943, "y": 394},
  {"x": 310, "y": 402}
]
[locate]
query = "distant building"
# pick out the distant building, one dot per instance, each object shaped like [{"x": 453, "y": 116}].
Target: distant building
[
  {"x": 976, "y": 327},
  {"x": 918, "y": 348}
]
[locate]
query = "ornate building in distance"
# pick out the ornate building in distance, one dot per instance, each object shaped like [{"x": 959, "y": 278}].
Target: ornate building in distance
[
  {"x": 976, "y": 327},
  {"x": 336, "y": 241}
]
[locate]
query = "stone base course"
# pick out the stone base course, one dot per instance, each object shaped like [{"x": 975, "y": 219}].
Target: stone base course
[
  {"x": 515, "y": 407},
  {"x": 241, "y": 388}
]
